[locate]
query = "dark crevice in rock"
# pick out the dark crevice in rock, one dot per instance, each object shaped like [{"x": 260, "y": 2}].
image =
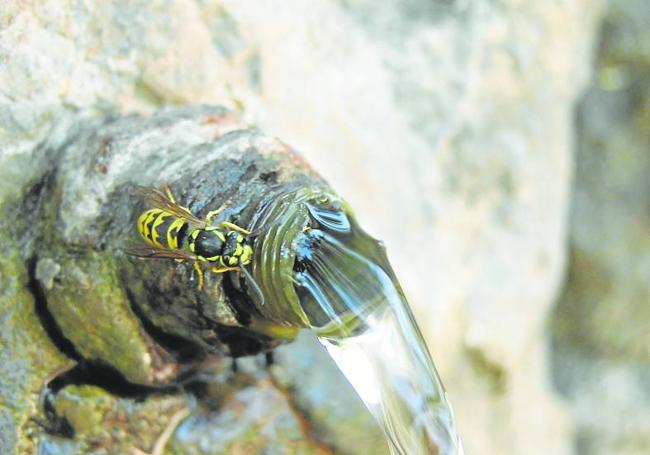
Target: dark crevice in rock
[
  {"x": 53, "y": 423},
  {"x": 101, "y": 375},
  {"x": 239, "y": 300},
  {"x": 33, "y": 213},
  {"x": 31, "y": 200},
  {"x": 269, "y": 359},
  {"x": 184, "y": 351},
  {"x": 242, "y": 342},
  {"x": 93, "y": 374},
  {"x": 269, "y": 177},
  {"x": 86, "y": 371},
  {"x": 46, "y": 319}
]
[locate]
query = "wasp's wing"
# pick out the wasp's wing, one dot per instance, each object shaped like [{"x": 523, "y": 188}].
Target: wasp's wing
[
  {"x": 152, "y": 252},
  {"x": 160, "y": 200}
]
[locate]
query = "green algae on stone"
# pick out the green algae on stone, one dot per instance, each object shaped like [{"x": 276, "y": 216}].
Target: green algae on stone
[
  {"x": 104, "y": 423},
  {"x": 89, "y": 305},
  {"x": 28, "y": 358}
]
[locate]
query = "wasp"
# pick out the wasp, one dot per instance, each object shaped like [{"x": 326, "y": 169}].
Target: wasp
[{"x": 172, "y": 231}]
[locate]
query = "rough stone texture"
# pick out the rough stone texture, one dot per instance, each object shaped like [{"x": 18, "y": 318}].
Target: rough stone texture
[
  {"x": 601, "y": 331},
  {"x": 337, "y": 414},
  {"x": 27, "y": 357},
  {"x": 447, "y": 125},
  {"x": 104, "y": 423},
  {"x": 302, "y": 407},
  {"x": 141, "y": 332}
]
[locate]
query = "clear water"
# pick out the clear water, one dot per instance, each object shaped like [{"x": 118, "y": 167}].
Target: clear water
[
  {"x": 390, "y": 369},
  {"x": 354, "y": 303}
]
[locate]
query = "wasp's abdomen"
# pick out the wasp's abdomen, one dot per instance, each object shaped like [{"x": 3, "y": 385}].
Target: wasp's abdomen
[{"x": 161, "y": 229}]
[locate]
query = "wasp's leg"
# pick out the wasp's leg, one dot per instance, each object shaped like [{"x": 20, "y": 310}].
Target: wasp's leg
[
  {"x": 225, "y": 269},
  {"x": 234, "y": 227},
  {"x": 214, "y": 213},
  {"x": 170, "y": 195},
  {"x": 199, "y": 272}
]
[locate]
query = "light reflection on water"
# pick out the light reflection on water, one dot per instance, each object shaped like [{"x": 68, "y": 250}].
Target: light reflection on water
[
  {"x": 390, "y": 370},
  {"x": 355, "y": 305}
]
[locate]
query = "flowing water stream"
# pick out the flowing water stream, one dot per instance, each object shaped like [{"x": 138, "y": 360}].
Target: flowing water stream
[
  {"x": 390, "y": 369},
  {"x": 318, "y": 269},
  {"x": 357, "y": 308}
]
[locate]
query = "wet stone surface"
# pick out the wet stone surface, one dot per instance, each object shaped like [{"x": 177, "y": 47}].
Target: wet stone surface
[{"x": 115, "y": 354}]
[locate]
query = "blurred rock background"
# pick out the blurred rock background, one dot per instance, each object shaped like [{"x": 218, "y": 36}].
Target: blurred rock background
[
  {"x": 601, "y": 330},
  {"x": 493, "y": 145}
]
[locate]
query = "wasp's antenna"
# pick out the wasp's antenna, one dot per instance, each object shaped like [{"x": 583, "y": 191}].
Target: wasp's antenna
[{"x": 253, "y": 284}]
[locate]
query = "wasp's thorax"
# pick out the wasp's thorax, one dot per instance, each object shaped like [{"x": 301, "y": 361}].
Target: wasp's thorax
[
  {"x": 214, "y": 245},
  {"x": 207, "y": 242}
]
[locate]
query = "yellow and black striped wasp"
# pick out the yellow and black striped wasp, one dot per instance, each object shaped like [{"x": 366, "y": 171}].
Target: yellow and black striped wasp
[{"x": 172, "y": 231}]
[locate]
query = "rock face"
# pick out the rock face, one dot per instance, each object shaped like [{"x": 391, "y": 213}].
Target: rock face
[
  {"x": 146, "y": 358},
  {"x": 601, "y": 337},
  {"x": 447, "y": 125}
]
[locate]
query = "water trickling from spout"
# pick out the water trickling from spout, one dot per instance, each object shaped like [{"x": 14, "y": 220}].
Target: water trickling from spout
[
  {"x": 390, "y": 371},
  {"x": 354, "y": 303}
]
